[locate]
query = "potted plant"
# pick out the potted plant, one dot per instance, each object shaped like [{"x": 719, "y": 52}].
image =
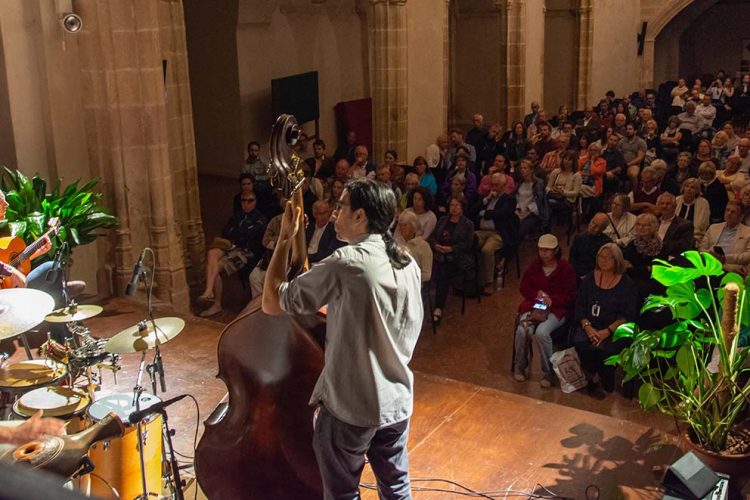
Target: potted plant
[
  {"x": 30, "y": 207},
  {"x": 696, "y": 368}
]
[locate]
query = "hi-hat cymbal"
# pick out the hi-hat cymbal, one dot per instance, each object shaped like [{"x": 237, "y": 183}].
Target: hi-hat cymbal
[
  {"x": 144, "y": 336},
  {"x": 73, "y": 313},
  {"x": 22, "y": 309}
]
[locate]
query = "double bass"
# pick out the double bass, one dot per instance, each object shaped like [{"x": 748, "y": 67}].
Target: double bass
[{"x": 258, "y": 444}]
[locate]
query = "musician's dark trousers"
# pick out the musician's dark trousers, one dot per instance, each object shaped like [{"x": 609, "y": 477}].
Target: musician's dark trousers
[{"x": 341, "y": 448}]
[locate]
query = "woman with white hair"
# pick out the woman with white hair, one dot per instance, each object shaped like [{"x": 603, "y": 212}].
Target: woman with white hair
[
  {"x": 409, "y": 238},
  {"x": 693, "y": 207}
]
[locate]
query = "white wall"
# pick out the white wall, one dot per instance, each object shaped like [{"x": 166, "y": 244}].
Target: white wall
[
  {"x": 425, "y": 22},
  {"x": 292, "y": 43},
  {"x": 615, "y": 63}
]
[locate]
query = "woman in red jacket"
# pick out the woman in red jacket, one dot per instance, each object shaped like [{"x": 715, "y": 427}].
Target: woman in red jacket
[{"x": 548, "y": 288}]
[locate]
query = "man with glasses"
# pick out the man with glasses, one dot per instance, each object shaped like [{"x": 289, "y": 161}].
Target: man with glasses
[{"x": 239, "y": 247}]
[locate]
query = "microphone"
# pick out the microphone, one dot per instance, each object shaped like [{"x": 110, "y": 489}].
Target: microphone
[
  {"x": 139, "y": 415},
  {"x": 160, "y": 371},
  {"x": 137, "y": 270},
  {"x": 54, "y": 272}
]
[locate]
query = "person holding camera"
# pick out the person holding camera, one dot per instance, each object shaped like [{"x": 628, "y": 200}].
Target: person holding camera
[{"x": 548, "y": 287}]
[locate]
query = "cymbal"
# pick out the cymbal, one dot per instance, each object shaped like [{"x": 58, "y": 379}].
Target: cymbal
[
  {"x": 22, "y": 309},
  {"x": 73, "y": 313},
  {"x": 134, "y": 339}
]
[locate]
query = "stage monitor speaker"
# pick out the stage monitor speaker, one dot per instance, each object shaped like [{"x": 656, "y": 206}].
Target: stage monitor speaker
[
  {"x": 296, "y": 95},
  {"x": 689, "y": 478}
]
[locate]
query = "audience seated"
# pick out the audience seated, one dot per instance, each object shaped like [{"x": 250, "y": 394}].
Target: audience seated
[
  {"x": 564, "y": 186},
  {"x": 551, "y": 282},
  {"x": 451, "y": 243},
  {"x": 640, "y": 253},
  {"x": 361, "y": 166},
  {"x": 620, "y": 223},
  {"x": 496, "y": 226},
  {"x": 745, "y": 199},
  {"x": 633, "y": 149},
  {"x": 498, "y": 165},
  {"x": 456, "y": 142},
  {"x": 239, "y": 247},
  {"x": 606, "y": 298},
  {"x": 320, "y": 164},
  {"x": 426, "y": 178},
  {"x": 729, "y": 241},
  {"x": 516, "y": 145},
  {"x": 247, "y": 188},
  {"x": 666, "y": 183},
  {"x": 713, "y": 191},
  {"x": 616, "y": 165},
  {"x": 408, "y": 237},
  {"x": 421, "y": 204},
  {"x": 270, "y": 237},
  {"x": 671, "y": 139},
  {"x": 592, "y": 169},
  {"x": 693, "y": 207},
  {"x": 531, "y": 202},
  {"x": 470, "y": 180},
  {"x": 411, "y": 182},
  {"x": 586, "y": 245},
  {"x": 731, "y": 177},
  {"x": 675, "y": 232},
  {"x": 643, "y": 199},
  {"x": 320, "y": 233}
]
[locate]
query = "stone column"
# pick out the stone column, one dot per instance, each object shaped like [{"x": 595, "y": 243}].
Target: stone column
[
  {"x": 585, "y": 50},
  {"x": 181, "y": 137},
  {"x": 389, "y": 78},
  {"x": 128, "y": 140},
  {"x": 446, "y": 64},
  {"x": 512, "y": 19}
]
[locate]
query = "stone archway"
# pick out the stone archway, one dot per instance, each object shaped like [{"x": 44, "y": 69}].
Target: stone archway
[{"x": 659, "y": 14}]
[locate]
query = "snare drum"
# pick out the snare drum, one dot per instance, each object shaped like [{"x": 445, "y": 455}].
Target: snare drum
[
  {"x": 61, "y": 402},
  {"x": 117, "y": 463},
  {"x": 28, "y": 375}
]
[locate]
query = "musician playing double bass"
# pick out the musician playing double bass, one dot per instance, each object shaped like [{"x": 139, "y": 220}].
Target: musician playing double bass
[{"x": 372, "y": 290}]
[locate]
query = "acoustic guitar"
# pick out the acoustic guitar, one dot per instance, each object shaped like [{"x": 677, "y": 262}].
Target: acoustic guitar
[{"x": 13, "y": 251}]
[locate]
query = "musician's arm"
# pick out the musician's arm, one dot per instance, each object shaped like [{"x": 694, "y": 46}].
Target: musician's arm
[
  {"x": 276, "y": 273},
  {"x": 46, "y": 247},
  {"x": 16, "y": 276}
]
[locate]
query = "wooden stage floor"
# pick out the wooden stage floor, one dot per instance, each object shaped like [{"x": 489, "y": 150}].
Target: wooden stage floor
[{"x": 485, "y": 439}]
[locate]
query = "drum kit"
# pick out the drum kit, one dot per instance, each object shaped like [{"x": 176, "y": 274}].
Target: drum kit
[{"x": 98, "y": 457}]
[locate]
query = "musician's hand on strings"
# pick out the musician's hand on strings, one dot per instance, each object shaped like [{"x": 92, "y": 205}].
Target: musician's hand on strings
[
  {"x": 46, "y": 247},
  {"x": 289, "y": 222}
]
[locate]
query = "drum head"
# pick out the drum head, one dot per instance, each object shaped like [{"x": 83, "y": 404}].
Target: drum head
[
  {"x": 121, "y": 404},
  {"x": 35, "y": 372},
  {"x": 53, "y": 401}
]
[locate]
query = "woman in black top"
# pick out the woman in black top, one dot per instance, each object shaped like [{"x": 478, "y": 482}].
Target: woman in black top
[
  {"x": 451, "y": 243},
  {"x": 606, "y": 299}
]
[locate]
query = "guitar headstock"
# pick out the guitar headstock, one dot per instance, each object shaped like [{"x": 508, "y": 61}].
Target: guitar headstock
[{"x": 54, "y": 224}]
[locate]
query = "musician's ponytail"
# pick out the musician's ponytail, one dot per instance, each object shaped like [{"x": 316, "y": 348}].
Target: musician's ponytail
[{"x": 379, "y": 203}]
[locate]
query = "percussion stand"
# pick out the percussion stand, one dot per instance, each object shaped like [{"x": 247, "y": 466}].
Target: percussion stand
[
  {"x": 137, "y": 391},
  {"x": 173, "y": 465}
]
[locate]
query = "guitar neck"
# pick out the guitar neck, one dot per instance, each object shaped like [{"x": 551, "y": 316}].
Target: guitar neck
[{"x": 30, "y": 250}]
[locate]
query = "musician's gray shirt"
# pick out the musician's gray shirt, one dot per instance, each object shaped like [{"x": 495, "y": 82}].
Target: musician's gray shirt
[{"x": 374, "y": 319}]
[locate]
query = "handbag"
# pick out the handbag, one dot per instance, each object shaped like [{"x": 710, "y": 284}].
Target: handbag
[{"x": 567, "y": 367}]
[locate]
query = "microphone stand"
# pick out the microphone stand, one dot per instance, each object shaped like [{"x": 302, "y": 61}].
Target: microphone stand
[{"x": 173, "y": 465}]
